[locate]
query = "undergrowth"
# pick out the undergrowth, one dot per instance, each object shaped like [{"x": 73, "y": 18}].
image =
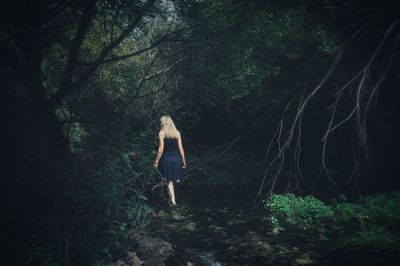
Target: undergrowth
[{"x": 372, "y": 222}]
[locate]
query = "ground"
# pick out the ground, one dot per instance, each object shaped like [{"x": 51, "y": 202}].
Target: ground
[{"x": 236, "y": 234}]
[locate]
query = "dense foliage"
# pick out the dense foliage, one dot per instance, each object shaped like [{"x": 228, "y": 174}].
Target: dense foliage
[{"x": 370, "y": 223}]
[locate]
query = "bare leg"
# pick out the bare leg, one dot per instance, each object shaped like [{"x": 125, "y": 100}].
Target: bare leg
[{"x": 171, "y": 192}]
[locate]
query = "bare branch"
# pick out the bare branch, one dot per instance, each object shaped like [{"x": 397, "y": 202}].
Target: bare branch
[
  {"x": 361, "y": 79},
  {"x": 280, "y": 157}
]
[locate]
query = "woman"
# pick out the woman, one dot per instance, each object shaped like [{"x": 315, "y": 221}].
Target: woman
[{"x": 168, "y": 161}]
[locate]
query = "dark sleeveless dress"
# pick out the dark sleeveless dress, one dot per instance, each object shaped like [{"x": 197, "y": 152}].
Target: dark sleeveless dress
[{"x": 170, "y": 165}]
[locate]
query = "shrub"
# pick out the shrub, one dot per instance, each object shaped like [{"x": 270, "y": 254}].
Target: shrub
[
  {"x": 372, "y": 221},
  {"x": 304, "y": 213},
  {"x": 374, "y": 237}
]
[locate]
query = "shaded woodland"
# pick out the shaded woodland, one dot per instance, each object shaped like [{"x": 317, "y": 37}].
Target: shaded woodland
[{"x": 281, "y": 105}]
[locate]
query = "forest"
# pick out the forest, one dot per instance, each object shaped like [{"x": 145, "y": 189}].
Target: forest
[{"x": 289, "y": 116}]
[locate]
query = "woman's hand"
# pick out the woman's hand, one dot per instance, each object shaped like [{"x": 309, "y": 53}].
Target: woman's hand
[
  {"x": 155, "y": 164},
  {"x": 183, "y": 164}
]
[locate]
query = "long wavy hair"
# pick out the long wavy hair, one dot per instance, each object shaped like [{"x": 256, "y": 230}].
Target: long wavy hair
[{"x": 168, "y": 129}]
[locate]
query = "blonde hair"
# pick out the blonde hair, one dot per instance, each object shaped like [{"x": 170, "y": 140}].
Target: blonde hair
[{"x": 168, "y": 129}]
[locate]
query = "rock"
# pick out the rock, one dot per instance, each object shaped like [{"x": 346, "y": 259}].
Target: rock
[
  {"x": 153, "y": 251},
  {"x": 200, "y": 257},
  {"x": 275, "y": 231},
  {"x": 131, "y": 260},
  {"x": 304, "y": 260}
]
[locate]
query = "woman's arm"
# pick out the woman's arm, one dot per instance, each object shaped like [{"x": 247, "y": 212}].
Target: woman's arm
[
  {"x": 160, "y": 150},
  {"x": 181, "y": 151}
]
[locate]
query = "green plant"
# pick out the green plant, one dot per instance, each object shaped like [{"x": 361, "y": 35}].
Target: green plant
[
  {"x": 373, "y": 238},
  {"x": 304, "y": 213},
  {"x": 371, "y": 222}
]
